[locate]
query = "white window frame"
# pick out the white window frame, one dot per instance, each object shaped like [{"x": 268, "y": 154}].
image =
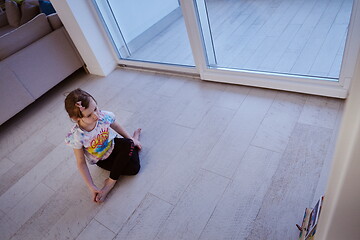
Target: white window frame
[
  {"x": 286, "y": 82},
  {"x": 310, "y": 85}
]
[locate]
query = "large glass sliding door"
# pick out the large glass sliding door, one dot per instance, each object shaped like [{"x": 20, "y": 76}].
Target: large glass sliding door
[
  {"x": 295, "y": 45},
  {"x": 299, "y": 37},
  {"x": 149, "y": 31}
]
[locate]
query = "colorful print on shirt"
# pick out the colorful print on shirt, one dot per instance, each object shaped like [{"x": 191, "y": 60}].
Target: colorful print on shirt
[{"x": 98, "y": 143}]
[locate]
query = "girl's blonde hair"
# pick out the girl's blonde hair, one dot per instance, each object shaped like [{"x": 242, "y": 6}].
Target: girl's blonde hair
[{"x": 72, "y": 100}]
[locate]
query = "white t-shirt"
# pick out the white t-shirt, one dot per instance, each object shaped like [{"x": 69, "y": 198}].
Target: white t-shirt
[{"x": 98, "y": 143}]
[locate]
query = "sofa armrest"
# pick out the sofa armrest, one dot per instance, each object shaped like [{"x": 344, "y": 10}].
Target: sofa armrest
[
  {"x": 54, "y": 21},
  {"x": 13, "y": 96},
  {"x": 45, "y": 63}
]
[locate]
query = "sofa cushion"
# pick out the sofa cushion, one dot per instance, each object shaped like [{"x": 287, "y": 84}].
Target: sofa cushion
[
  {"x": 3, "y": 19},
  {"x": 45, "y": 63},
  {"x": 24, "y": 35},
  {"x": 28, "y": 12},
  {"x": 12, "y": 13}
]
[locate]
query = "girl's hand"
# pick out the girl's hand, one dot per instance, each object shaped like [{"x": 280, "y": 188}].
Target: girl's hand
[{"x": 96, "y": 194}]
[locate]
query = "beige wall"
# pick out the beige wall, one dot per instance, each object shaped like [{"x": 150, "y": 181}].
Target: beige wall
[
  {"x": 80, "y": 20},
  {"x": 340, "y": 218}
]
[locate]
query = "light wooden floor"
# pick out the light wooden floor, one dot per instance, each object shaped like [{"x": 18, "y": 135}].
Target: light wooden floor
[
  {"x": 219, "y": 162},
  {"x": 301, "y": 37}
]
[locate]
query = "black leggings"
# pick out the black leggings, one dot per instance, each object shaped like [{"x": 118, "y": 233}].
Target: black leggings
[{"x": 123, "y": 160}]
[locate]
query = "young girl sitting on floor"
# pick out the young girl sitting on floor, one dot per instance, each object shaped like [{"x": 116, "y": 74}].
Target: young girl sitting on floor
[{"x": 93, "y": 138}]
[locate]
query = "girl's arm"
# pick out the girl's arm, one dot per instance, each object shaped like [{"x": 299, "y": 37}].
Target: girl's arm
[
  {"x": 84, "y": 171},
  {"x": 120, "y": 130}
]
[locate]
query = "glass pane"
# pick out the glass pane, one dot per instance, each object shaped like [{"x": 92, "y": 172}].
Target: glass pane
[
  {"x": 152, "y": 31},
  {"x": 297, "y": 37}
]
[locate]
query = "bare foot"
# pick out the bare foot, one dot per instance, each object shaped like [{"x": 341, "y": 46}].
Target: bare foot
[
  {"x": 109, "y": 184},
  {"x": 136, "y": 134},
  {"x": 136, "y": 137}
]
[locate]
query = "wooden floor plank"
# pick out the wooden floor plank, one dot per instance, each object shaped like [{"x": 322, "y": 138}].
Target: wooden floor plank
[
  {"x": 30, "y": 204},
  {"x": 72, "y": 193},
  {"x": 325, "y": 171},
  {"x": 278, "y": 124},
  {"x": 31, "y": 179},
  {"x": 193, "y": 210},
  {"x": 242, "y": 200},
  {"x": 293, "y": 184},
  {"x": 277, "y": 51},
  {"x": 95, "y": 230},
  {"x": 316, "y": 40},
  {"x": 320, "y": 111},
  {"x": 328, "y": 50},
  {"x": 7, "y": 226},
  {"x": 191, "y": 156},
  {"x": 5, "y": 165},
  {"x": 227, "y": 153},
  {"x": 146, "y": 221}
]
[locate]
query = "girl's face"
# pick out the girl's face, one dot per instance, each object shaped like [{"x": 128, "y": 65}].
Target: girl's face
[{"x": 90, "y": 114}]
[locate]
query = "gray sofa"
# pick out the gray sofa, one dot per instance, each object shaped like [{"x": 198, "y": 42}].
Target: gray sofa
[{"x": 34, "y": 57}]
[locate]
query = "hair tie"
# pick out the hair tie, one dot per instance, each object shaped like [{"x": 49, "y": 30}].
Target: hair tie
[{"x": 78, "y": 104}]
